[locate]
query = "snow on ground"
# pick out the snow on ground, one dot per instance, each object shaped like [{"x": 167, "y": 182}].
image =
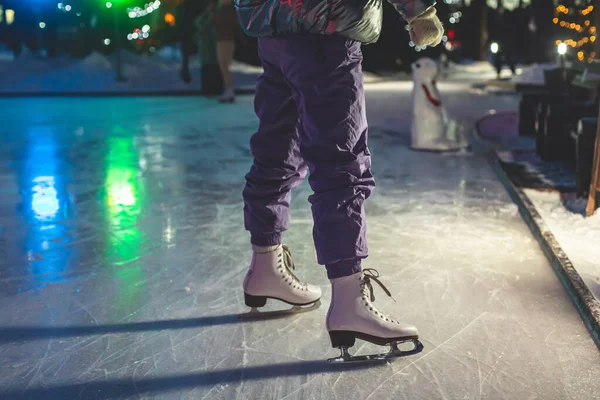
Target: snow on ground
[
  {"x": 154, "y": 73},
  {"x": 96, "y": 73},
  {"x": 533, "y": 74},
  {"x": 578, "y": 235},
  {"x": 482, "y": 70}
]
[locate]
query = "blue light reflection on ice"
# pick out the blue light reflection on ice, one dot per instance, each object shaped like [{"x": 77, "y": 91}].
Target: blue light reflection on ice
[
  {"x": 45, "y": 200},
  {"x": 44, "y": 203}
]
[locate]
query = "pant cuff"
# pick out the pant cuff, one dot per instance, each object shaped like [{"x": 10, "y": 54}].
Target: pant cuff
[
  {"x": 343, "y": 268},
  {"x": 265, "y": 239}
]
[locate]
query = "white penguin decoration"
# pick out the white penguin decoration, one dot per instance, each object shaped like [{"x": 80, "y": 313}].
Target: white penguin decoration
[{"x": 431, "y": 128}]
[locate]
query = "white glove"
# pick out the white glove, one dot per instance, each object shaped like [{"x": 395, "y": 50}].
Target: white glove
[{"x": 426, "y": 29}]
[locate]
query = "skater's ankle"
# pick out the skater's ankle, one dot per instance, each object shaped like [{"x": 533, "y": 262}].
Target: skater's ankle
[
  {"x": 264, "y": 249},
  {"x": 344, "y": 268}
]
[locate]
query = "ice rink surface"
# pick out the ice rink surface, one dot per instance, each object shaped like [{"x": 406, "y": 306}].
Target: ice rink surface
[{"x": 122, "y": 254}]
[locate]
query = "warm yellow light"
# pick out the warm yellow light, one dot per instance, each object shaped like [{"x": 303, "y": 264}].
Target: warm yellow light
[
  {"x": 592, "y": 39},
  {"x": 10, "y": 16},
  {"x": 555, "y": 20}
]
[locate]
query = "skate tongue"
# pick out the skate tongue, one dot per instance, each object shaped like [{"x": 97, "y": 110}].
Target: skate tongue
[
  {"x": 372, "y": 274},
  {"x": 289, "y": 263},
  {"x": 287, "y": 255}
]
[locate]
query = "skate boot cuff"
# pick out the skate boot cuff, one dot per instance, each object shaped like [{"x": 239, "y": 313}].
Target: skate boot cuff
[
  {"x": 346, "y": 278},
  {"x": 265, "y": 239}
]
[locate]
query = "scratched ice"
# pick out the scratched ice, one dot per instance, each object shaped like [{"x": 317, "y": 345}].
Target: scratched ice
[{"x": 123, "y": 254}]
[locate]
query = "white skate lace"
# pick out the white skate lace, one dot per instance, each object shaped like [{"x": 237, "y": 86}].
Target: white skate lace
[
  {"x": 370, "y": 274},
  {"x": 288, "y": 262}
]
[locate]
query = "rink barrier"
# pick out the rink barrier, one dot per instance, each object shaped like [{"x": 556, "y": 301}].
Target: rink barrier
[{"x": 585, "y": 302}]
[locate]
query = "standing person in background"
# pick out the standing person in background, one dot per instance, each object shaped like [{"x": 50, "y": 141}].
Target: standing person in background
[
  {"x": 185, "y": 32},
  {"x": 219, "y": 18},
  {"x": 227, "y": 29},
  {"x": 503, "y": 30},
  {"x": 190, "y": 14}
]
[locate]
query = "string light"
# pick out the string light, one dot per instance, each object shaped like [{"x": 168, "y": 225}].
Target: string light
[
  {"x": 140, "y": 34},
  {"x": 584, "y": 28},
  {"x": 137, "y": 12}
]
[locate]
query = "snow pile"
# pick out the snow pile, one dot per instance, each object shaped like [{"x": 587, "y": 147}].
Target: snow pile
[
  {"x": 470, "y": 71},
  {"x": 578, "y": 235},
  {"x": 534, "y": 74},
  {"x": 96, "y": 73}
]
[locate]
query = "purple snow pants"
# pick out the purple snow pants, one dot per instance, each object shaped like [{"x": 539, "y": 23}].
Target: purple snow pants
[{"x": 311, "y": 106}]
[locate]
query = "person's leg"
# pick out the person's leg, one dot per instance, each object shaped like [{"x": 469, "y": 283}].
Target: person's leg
[
  {"x": 212, "y": 81},
  {"x": 326, "y": 78},
  {"x": 510, "y": 60},
  {"x": 277, "y": 168},
  {"x": 225, "y": 51},
  {"x": 498, "y": 63}
]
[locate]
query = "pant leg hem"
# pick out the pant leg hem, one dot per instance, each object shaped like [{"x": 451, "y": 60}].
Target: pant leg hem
[
  {"x": 265, "y": 239},
  {"x": 344, "y": 268}
]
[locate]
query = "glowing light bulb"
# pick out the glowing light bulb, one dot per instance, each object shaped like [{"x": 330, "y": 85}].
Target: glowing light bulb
[{"x": 562, "y": 49}]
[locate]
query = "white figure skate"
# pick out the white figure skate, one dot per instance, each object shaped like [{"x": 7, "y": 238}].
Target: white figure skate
[
  {"x": 270, "y": 277},
  {"x": 352, "y": 315},
  {"x": 431, "y": 128}
]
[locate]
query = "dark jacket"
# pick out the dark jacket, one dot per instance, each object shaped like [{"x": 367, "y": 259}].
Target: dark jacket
[{"x": 356, "y": 19}]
